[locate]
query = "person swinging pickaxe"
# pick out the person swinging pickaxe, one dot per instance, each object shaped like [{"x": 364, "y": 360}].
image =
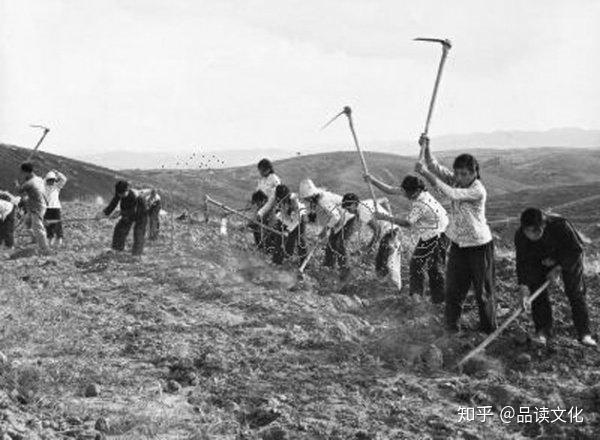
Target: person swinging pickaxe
[{"x": 446, "y": 45}]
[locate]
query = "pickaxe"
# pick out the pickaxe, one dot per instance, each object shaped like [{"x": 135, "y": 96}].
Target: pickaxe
[
  {"x": 46, "y": 130},
  {"x": 446, "y": 45},
  {"x": 506, "y": 323},
  {"x": 348, "y": 112}
]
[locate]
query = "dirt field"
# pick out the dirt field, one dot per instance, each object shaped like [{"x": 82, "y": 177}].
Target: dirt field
[{"x": 203, "y": 339}]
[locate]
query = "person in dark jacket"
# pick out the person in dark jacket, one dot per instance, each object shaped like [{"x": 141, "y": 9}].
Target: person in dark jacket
[
  {"x": 134, "y": 213},
  {"x": 548, "y": 246}
]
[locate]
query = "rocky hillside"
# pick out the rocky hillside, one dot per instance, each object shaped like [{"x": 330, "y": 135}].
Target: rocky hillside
[{"x": 203, "y": 339}]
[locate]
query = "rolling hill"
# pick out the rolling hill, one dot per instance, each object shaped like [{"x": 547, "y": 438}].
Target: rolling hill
[
  {"x": 514, "y": 178},
  {"x": 86, "y": 181}
]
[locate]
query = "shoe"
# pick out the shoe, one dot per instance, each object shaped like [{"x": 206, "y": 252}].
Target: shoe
[{"x": 588, "y": 341}]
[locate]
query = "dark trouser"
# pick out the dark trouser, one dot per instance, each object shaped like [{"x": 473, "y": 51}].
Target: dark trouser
[
  {"x": 7, "y": 229},
  {"x": 262, "y": 237},
  {"x": 336, "y": 246},
  {"x": 285, "y": 246},
  {"x": 471, "y": 266},
  {"x": 575, "y": 289},
  {"x": 429, "y": 257},
  {"x": 53, "y": 229},
  {"x": 153, "y": 222},
  {"x": 122, "y": 230}
]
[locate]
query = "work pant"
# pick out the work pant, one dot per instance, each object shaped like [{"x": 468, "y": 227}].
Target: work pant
[
  {"x": 36, "y": 220},
  {"x": 122, "y": 230},
  {"x": 471, "y": 266},
  {"x": 286, "y": 246},
  {"x": 154, "y": 221},
  {"x": 429, "y": 257},
  {"x": 575, "y": 289},
  {"x": 7, "y": 230},
  {"x": 53, "y": 229},
  {"x": 336, "y": 246},
  {"x": 262, "y": 237}
]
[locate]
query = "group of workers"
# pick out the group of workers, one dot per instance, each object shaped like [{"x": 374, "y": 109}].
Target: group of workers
[
  {"x": 38, "y": 205},
  {"x": 455, "y": 248}
]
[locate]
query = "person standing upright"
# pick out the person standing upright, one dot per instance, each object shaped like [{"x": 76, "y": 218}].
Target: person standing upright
[
  {"x": 471, "y": 257},
  {"x": 33, "y": 191},
  {"x": 54, "y": 183},
  {"x": 267, "y": 184}
]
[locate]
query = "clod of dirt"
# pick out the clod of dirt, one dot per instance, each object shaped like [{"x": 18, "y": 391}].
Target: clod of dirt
[
  {"x": 101, "y": 425},
  {"x": 260, "y": 417},
  {"x": 432, "y": 358},
  {"x": 92, "y": 390},
  {"x": 274, "y": 433},
  {"x": 173, "y": 386},
  {"x": 481, "y": 366},
  {"x": 524, "y": 359},
  {"x": 520, "y": 337},
  {"x": 501, "y": 395}
]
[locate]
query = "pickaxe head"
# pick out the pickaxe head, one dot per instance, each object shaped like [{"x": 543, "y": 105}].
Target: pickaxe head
[
  {"x": 346, "y": 111},
  {"x": 46, "y": 129},
  {"x": 446, "y": 44}
]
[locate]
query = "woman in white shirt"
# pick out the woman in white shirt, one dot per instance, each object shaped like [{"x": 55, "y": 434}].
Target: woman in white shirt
[
  {"x": 54, "y": 183},
  {"x": 428, "y": 219},
  {"x": 267, "y": 183},
  {"x": 291, "y": 218},
  {"x": 471, "y": 257},
  {"x": 8, "y": 209},
  {"x": 326, "y": 210}
]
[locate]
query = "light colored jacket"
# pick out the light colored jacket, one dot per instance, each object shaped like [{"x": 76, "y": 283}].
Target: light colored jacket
[
  {"x": 291, "y": 218},
  {"x": 52, "y": 192},
  {"x": 427, "y": 216},
  {"x": 330, "y": 213},
  {"x": 5, "y": 209},
  {"x": 468, "y": 225},
  {"x": 267, "y": 185},
  {"x": 34, "y": 191}
]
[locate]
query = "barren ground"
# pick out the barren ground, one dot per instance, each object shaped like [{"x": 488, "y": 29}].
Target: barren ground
[{"x": 206, "y": 340}]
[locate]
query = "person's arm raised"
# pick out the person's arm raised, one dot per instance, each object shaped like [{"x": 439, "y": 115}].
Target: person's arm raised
[
  {"x": 388, "y": 189},
  {"x": 431, "y": 163}
]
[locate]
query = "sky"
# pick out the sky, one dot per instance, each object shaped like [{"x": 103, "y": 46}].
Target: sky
[{"x": 176, "y": 75}]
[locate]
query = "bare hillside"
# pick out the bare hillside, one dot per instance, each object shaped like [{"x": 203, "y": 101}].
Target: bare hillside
[{"x": 204, "y": 339}]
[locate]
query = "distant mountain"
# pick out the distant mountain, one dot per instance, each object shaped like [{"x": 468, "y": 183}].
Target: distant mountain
[{"x": 514, "y": 139}]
